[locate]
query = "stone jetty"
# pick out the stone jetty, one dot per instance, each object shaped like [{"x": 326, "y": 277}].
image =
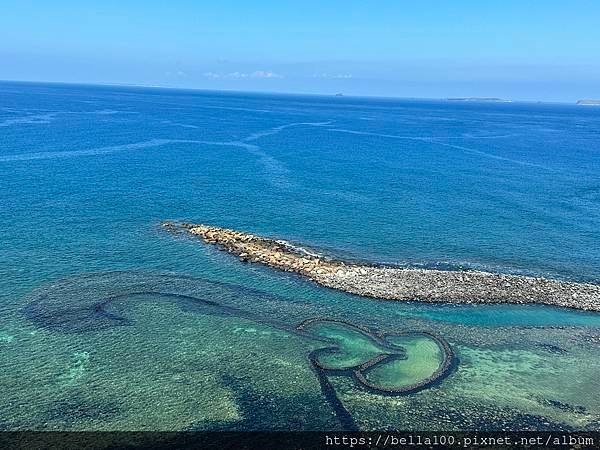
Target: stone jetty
[{"x": 392, "y": 283}]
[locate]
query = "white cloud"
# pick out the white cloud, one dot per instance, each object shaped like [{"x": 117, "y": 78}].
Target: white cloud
[
  {"x": 235, "y": 75},
  {"x": 265, "y": 74},
  {"x": 243, "y": 75},
  {"x": 211, "y": 75},
  {"x": 333, "y": 76},
  {"x": 177, "y": 73}
]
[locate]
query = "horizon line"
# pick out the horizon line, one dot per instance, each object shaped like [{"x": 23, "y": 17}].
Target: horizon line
[{"x": 466, "y": 98}]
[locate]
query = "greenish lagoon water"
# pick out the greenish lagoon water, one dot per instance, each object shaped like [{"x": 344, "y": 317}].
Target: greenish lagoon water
[{"x": 107, "y": 322}]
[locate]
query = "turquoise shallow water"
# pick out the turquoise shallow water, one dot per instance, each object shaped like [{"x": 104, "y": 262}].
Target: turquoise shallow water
[{"x": 88, "y": 173}]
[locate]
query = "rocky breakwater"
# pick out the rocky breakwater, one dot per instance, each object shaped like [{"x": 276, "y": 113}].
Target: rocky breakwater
[{"x": 393, "y": 283}]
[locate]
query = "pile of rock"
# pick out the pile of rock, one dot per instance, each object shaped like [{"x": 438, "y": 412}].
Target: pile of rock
[
  {"x": 251, "y": 248},
  {"x": 464, "y": 287},
  {"x": 398, "y": 283}
]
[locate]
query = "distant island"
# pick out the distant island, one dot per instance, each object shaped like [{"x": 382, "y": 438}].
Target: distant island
[
  {"x": 478, "y": 99},
  {"x": 588, "y": 102}
]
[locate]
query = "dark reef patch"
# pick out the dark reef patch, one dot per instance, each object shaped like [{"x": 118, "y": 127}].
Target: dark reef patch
[
  {"x": 470, "y": 415},
  {"x": 573, "y": 409},
  {"x": 76, "y": 410},
  {"x": 553, "y": 348}
]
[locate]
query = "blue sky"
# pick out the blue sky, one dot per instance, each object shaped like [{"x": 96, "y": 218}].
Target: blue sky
[{"x": 531, "y": 50}]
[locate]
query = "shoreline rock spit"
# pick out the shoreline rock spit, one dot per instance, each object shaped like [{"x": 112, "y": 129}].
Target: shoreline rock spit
[{"x": 391, "y": 283}]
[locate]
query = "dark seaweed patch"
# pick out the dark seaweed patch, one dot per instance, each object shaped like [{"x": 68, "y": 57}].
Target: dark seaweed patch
[
  {"x": 76, "y": 409},
  {"x": 553, "y": 348},
  {"x": 575, "y": 409}
]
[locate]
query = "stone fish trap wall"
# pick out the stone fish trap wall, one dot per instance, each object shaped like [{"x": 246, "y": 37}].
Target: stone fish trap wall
[
  {"x": 448, "y": 363},
  {"x": 81, "y": 304},
  {"x": 390, "y": 283}
]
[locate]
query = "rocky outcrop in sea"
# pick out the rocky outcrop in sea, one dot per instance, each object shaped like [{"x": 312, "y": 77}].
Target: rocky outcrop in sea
[{"x": 392, "y": 283}]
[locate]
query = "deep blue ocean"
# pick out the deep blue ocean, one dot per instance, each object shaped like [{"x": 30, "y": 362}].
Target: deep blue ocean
[{"x": 88, "y": 173}]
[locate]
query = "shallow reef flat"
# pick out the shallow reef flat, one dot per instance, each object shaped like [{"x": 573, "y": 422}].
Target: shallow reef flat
[
  {"x": 393, "y": 283},
  {"x": 145, "y": 350}
]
